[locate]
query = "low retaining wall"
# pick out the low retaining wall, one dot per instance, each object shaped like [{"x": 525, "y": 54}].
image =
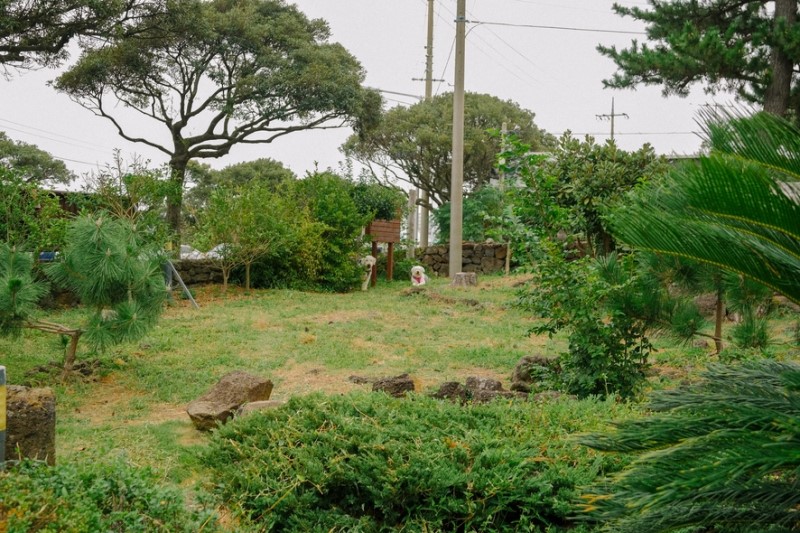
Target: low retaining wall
[
  {"x": 479, "y": 257},
  {"x": 198, "y": 271}
]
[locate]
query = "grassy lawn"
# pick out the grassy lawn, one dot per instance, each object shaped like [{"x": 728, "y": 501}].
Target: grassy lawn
[{"x": 305, "y": 343}]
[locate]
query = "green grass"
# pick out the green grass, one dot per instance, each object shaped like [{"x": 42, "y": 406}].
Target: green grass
[{"x": 305, "y": 343}]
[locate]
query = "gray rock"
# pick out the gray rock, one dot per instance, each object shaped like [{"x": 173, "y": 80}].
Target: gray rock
[
  {"x": 452, "y": 390},
  {"x": 475, "y": 384},
  {"x": 485, "y": 396},
  {"x": 532, "y": 371},
  {"x": 30, "y": 423},
  {"x": 221, "y": 402},
  {"x": 396, "y": 386}
]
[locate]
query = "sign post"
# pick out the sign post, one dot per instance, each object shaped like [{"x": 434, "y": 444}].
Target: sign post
[{"x": 2, "y": 417}]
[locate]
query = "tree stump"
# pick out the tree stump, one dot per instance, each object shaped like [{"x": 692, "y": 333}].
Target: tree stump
[{"x": 465, "y": 279}]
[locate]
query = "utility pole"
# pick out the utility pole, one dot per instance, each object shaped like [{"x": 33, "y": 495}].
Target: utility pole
[
  {"x": 424, "y": 215},
  {"x": 457, "y": 172},
  {"x": 611, "y": 116}
]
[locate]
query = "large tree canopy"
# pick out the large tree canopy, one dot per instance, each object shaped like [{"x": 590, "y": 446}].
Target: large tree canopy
[
  {"x": 749, "y": 47},
  {"x": 219, "y": 73},
  {"x": 38, "y": 32},
  {"x": 32, "y": 164},
  {"x": 414, "y": 144}
]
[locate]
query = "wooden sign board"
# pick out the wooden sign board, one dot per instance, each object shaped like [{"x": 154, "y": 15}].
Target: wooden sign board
[{"x": 384, "y": 231}]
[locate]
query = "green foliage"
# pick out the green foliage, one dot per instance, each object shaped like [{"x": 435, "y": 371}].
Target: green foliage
[
  {"x": 37, "y": 34},
  {"x": 33, "y": 165},
  {"x": 377, "y": 201},
  {"x": 607, "y": 310},
  {"x": 413, "y": 144},
  {"x": 29, "y": 216},
  {"x": 247, "y": 224},
  {"x": 748, "y": 47},
  {"x": 93, "y": 497},
  {"x": 590, "y": 178},
  {"x": 19, "y": 290},
  {"x": 133, "y": 192},
  {"x": 328, "y": 199},
  {"x": 721, "y": 455},
  {"x": 479, "y": 209},
  {"x": 735, "y": 208},
  {"x": 116, "y": 276},
  {"x": 265, "y": 68},
  {"x": 369, "y": 462},
  {"x": 204, "y": 180}
]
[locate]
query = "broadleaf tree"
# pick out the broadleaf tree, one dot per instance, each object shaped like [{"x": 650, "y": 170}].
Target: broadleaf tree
[
  {"x": 217, "y": 74},
  {"x": 32, "y": 163},
  {"x": 749, "y": 47},
  {"x": 35, "y": 33},
  {"x": 414, "y": 144}
]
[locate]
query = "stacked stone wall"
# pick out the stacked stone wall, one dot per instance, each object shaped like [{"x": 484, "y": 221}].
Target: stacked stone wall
[
  {"x": 481, "y": 258},
  {"x": 198, "y": 271}
]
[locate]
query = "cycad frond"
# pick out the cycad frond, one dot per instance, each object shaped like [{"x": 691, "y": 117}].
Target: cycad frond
[
  {"x": 735, "y": 208},
  {"x": 723, "y": 454}
]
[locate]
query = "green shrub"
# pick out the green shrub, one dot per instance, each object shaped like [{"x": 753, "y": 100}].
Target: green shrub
[
  {"x": 368, "y": 462},
  {"x": 606, "y": 310},
  {"x": 92, "y": 497},
  {"x": 327, "y": 197},
  {"x": 377, "y": 201}
]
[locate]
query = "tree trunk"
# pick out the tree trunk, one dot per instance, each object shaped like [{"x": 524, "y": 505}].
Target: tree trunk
[
  {"x": 72, "y": 350},
  {"x": 175, "y": 201},
  {"x": 776, "y": 97},
  {"x": 719, "y": 317},
  {"x": 247, "y": 276},
  {"x": 226, "y": 273}
]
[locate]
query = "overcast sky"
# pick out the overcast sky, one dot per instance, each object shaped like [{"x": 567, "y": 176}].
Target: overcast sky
[{"x": 546, "y": 63}]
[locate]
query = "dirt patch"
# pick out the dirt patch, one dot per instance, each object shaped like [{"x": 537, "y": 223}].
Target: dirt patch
[
  {"x": 346, "y": 316},
  {"x": 305, "y": 378}
]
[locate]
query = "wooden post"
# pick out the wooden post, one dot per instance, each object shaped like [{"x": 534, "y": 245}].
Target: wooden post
[
  {"x": 390, "y": 262},
  {"x": 375, "y": 266},
  {"x": 413, "y": 211},
  {"x": 2, "y": 417}
]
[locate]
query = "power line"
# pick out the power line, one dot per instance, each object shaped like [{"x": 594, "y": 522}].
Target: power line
[{"x": 563, "y": 28}]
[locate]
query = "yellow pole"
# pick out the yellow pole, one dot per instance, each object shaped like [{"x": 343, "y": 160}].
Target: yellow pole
[{"x": 2, "y": 417}]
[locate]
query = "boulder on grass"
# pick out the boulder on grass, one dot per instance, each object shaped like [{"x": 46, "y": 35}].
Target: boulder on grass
[
  {"x": 475, "y": 384},
  {"x": 397, "y": 386},
  {"x": 30, "y": 424},
  {"x": 533, "y": 372},
  {"x": 452, "y": 390},
  {"x": 220, "y": 403}
]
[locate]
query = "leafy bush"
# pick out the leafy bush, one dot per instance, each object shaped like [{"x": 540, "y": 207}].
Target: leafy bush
[
  {"x": 368, "y": 462},
  {"x": 377, "y": 201},
  {"x": 606, "y": 311},
  {"x": 92, "y": 497},
  {"x": 479, "y": 209},
  {"x": 327, "y": 197}
]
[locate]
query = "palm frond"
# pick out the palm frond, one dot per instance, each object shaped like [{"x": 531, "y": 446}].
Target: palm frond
[{"x": 732, "y": 209}]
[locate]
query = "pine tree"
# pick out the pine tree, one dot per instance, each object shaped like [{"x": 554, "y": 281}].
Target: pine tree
[
  {"x": 749, "y": 47},
  {"x": 117, "y": 278}
]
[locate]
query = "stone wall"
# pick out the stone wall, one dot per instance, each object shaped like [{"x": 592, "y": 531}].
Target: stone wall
[
  {"x": 198, "y": 271},
  {"x": 479, "y": 257}
]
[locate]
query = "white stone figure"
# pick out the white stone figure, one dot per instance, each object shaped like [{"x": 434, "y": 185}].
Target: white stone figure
[
  {"x": 418, "y": 276},
  {"x": 367, "y": 262}
]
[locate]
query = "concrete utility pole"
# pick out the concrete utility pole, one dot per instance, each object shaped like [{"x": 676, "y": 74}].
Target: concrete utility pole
[
  {"x": 457, "y": 176},
  {"x": 611, "y": 116},
  {"x": 423, "y": 195}
]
